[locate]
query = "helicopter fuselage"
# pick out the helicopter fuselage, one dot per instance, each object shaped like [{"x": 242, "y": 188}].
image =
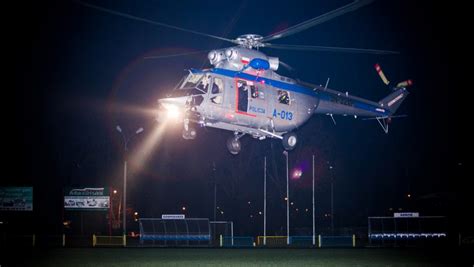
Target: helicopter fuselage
[{"x": 245, "y": 95}]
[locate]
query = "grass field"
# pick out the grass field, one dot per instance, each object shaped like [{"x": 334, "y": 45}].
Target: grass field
[{"x": 229, "y": 257}]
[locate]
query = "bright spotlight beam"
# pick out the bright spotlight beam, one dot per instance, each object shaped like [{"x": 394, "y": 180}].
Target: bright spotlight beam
[{"x": 151, "y": 142}]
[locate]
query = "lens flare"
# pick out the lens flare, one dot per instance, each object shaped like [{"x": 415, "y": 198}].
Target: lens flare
[{"x": 297, "y": 173}]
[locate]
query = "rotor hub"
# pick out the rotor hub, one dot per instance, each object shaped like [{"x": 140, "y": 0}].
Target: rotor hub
[{"x": 250, "y": 40}]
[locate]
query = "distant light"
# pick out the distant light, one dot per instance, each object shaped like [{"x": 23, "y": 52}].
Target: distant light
[
  {"x": 296, "y": 209},
  {"x": 260, "y": 213},
  {"x": 409, "y": 195},
  {"x": 136, "y": 213},
  {"x": 251, "y": 216},
  {"x": 306, "y": 210},
  {"x": 183, "y": 208},
  {"x": 118, "y": 128},
  {"x": 139, "y": 130},
  {"x": 115, "y": 191},
  {"x": 286, "y": 199},
  {"x": 291, "y": 203},
  {"x": 222, "y": 212},
  {"x": 249, "y": 202},
  {"x": 297, "y": 174}
]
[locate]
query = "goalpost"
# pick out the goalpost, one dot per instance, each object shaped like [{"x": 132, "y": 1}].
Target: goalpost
[{"x": 222, "y": 233}]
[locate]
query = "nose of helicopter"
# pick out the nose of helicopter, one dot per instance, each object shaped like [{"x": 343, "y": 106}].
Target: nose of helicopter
[
  {"x": 178, "y": 102},
  {"x": 171, "y": 108}
]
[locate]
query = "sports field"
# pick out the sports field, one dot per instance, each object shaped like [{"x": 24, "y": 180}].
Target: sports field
[{"x": 229, "y": 257}]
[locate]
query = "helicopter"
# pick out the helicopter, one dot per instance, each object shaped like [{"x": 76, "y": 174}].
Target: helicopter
[{"x": 242, "y": 92}]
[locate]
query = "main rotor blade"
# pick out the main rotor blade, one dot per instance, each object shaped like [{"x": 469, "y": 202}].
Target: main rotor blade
[
  {"x": 330, "y": 49},
  {"x": 177, "y": 55},
  {"x": 156, "y": 23},
  {"x": 287, "y": 66},
  {"x": 318, "y": 20}
]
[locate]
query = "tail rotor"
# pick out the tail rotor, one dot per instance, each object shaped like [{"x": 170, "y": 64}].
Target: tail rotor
[{"x": 403, "y": 84}]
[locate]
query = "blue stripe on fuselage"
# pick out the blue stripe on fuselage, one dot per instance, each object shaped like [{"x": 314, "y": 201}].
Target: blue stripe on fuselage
[{"x": 291, "y": 87}]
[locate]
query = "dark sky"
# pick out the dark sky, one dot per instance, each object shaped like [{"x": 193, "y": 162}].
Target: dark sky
[{"x": 77, "y": 72}]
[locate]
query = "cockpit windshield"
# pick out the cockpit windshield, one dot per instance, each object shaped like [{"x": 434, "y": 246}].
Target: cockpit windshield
[
  {"x": 192, "y": 84},
  {"x": 197, "y": 81}
]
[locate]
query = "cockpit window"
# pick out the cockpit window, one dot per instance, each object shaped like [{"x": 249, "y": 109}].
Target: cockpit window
[
  {"x": 217, "y": 90},
  {"x": 198, "y": 82},
  {"x": 217, "y": 86},
  {"x": 191, "y": 81}
]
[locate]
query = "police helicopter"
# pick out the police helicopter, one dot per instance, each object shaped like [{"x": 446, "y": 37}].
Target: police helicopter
[{"x": 242, "y": 92}]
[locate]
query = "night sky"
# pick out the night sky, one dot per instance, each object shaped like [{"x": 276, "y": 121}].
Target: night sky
[{"x": 75, "y": 73}]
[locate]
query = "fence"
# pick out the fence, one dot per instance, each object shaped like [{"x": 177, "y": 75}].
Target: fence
[
  {"x": 109, "y": 241},
  {"x": 307, "y": 241}
]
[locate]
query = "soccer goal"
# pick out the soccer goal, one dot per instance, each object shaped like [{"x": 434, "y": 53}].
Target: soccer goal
[{"x": 222, "y": 233}]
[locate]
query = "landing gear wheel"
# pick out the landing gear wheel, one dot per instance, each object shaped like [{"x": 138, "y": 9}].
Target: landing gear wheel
[
  {"x": 189, "y": 134},
  {"x": 289, "y": 141},
  {"x": 233, "y": 145}
]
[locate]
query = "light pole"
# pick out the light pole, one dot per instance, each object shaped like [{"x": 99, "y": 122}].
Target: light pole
[
  {"x": 215, "y": 190},
  {"x": 265, "y": 202},
  {"x": 287, "y": 202},
  {"x": 332, "y": 199},
  {"x": 125, "y": 145},
  {"x": 314, "y": 223}
]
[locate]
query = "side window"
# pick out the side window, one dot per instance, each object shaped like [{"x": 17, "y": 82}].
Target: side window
[
  {"x": 217, "y": 86},
  {"x": 253, "y": 91},
  {"x": 283, "y": 97},
  {"x": 256, "y": 92},
  {"x": 216, "y": 91},
  {"x": 203, "y": 84}
]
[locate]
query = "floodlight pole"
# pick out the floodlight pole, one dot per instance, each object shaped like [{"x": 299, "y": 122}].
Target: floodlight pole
[
  {"x": 314, "y": 222},
  {"x": 265, "y": 202},
  {"x": 287, "y": 202},
  {"x": 332, "y": 199},
  {"x": 215, "y": 189},
  {"x": 124, "y": 196},
  {"x": 125, "y": 146}
]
